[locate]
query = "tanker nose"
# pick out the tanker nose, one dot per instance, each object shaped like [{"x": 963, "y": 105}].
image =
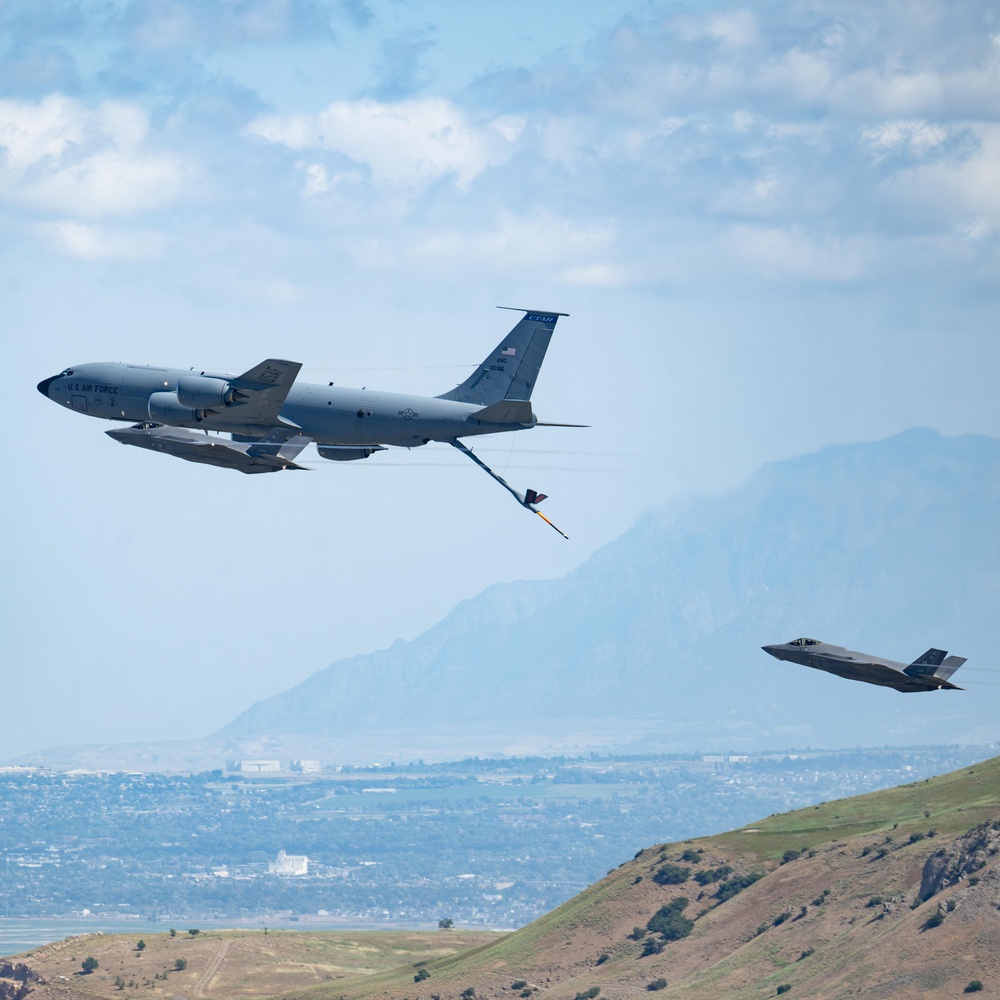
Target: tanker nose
[{"x": 43, "y": 386}]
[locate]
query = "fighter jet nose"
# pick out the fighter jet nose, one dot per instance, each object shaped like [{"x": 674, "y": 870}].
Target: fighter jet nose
[
  {"x": 43, "y": 386},
  {"x": 773, "y": 650}
]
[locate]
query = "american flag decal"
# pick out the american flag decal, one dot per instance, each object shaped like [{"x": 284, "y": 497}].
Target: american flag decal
[{"x": 509, "y": 351}]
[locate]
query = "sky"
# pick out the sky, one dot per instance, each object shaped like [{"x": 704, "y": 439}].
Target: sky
[{"x": 774, "y": 227}]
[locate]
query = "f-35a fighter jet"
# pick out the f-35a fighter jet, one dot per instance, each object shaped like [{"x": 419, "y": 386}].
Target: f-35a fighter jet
[
  {"x": 929, "y": 672},
  {"x": 270, "y": 418}
]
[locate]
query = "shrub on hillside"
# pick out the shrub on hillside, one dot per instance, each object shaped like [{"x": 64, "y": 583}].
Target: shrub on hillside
[
  {"x": 657, "y": 984},
  {"x": 710, "y": 875},
  {"x": 670, "y": 922},
  {"x": 731, "y": 886},
  {"x": 671, "y": 874},
  {"x": 651, "y": 946},
  {"x": 974, "y": 987},
  {"x": 691, "y": 855}
]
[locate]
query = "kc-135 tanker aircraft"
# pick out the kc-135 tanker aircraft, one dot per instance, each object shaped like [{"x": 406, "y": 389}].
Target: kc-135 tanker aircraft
[
  {"x": 270, "y": 418},
  {"x": 928, "y": 672}
]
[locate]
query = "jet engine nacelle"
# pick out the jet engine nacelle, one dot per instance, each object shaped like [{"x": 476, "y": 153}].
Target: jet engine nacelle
[
  {"x": 347, "y": 453},
  {"x": 166, "y": 408},
  {"x": 202, "y": 392}
]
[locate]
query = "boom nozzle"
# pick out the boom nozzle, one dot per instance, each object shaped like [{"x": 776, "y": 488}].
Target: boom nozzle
[{"x": 527, "y": 500}]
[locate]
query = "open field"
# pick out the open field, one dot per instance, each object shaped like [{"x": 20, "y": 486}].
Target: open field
[{"x": 233, "y": 963}]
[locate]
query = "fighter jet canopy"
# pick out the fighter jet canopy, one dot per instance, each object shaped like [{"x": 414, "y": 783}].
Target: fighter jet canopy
[{"x": 805, "y": 642}]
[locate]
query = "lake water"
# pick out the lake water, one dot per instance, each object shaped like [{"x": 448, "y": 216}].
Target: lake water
[
  {"x": 17, "y": 936},
  {"x": 23, "y": 935}
]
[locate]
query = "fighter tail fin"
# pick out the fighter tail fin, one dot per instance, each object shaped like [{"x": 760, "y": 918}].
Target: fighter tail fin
[
  {"x": 935, "y": 663},
  {"x": 512, "y": 368}
]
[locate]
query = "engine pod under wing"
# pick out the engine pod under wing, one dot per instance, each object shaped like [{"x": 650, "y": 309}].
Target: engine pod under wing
[{"x": 347, "y": 453}]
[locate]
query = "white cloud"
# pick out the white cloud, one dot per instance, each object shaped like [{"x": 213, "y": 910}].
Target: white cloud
[
  {"x": 93, "y": 242},
  {"x": 406, "y": 144},
  {"x": 61, "y": 156},
  {"x": 733, "y": 29},
  {"x": 859, "y": 61},
  {"x": 915, "y": 137},
  {"x": 177, "y": 24},
  {"x": 961, "y": 192},
  {"x": 790, "y": 253},
  {"x": 545, "y": 245}
]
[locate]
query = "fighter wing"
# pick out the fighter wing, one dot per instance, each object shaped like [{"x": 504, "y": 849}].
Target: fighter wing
[
  {"x": 263, "y": 390},
  {"x": 274, "y": 453}
]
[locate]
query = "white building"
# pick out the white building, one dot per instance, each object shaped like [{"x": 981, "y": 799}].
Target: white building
[
  {"x": 306, "y": 766},
  {"x": 289, "y": 864},
  {"x": 254, "y": 766}
]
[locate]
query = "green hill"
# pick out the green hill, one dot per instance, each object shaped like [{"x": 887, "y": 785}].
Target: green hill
[
  {"x": 891, "y": 894},
  {"x": 810, "y": 922}
]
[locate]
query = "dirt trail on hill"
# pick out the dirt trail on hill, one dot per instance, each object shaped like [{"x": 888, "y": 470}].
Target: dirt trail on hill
[{"x": 213, "y": 967}]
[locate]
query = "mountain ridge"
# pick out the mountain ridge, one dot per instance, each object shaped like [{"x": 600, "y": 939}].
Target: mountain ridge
[{"x": 863, "y": 544}]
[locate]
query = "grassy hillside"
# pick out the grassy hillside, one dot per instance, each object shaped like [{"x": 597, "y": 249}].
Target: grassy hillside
[
  {"x": 851, "y": 863},
  {"x": 889, "y": 894},
  {"x": 230, "y": 963}
]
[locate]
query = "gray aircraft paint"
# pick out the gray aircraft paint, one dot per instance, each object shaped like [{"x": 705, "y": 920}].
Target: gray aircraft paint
[
  {"x": 326, "y": 414},
  {"x": 929, "y": 672},
  {"x": 271, "y": 417}
]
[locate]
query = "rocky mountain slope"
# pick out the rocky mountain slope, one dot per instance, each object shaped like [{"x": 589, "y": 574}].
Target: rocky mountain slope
[{"x": 890, "y": 547}]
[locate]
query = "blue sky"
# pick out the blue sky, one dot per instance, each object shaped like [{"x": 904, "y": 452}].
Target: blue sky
[{"x": 775, "y": 226}]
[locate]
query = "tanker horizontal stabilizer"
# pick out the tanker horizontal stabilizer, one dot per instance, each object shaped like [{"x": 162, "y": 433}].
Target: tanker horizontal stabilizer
[{"x": 506, "y": 411}]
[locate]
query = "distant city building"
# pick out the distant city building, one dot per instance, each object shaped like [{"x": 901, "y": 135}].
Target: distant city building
[
  {"x": 289, "y": 864},
  {"x": 255, "y": 766},
  {"x": 306, "y": 766}
]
